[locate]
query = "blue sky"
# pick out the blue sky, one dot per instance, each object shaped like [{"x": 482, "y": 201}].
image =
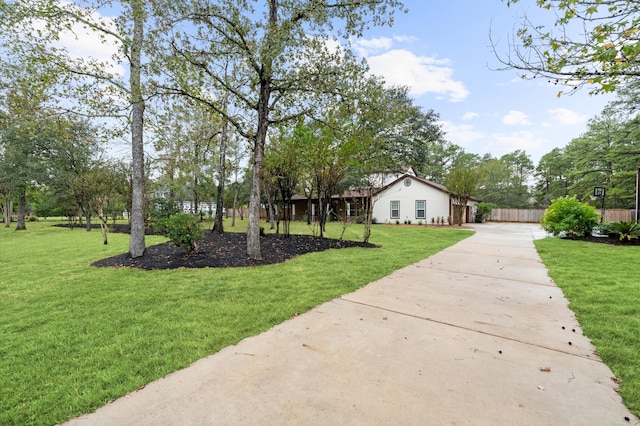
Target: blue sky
[{"x": 441, "y": 49}]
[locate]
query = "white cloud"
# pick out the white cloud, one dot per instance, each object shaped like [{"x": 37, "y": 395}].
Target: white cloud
[
  {"x": 367, "y": 47},
  {"x": 566, "y": 117},
  {"x": 422, "y": 74},
  {"x": 404, "y": 38},
  {"x": 460, "y": 134},
  {"x": 470, "y": 115},
  {"x": 503, "y": 143},
  {"x": 82, "y": 43},
  {"x": 516, "y": 118}
]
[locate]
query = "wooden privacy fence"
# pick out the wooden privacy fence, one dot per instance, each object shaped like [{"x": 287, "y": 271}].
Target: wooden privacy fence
[
  {"x": 534, "y": 215},
  {"x": 516, "y": 215}
]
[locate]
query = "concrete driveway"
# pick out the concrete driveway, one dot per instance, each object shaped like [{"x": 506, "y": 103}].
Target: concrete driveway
[{"x": 477, "y": 334}]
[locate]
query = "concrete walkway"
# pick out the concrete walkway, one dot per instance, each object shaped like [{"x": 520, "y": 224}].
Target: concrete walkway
[{"x": 477, "y": 334}]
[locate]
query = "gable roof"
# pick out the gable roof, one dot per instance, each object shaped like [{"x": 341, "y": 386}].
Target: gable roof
[{"x": 419, "y": 179}]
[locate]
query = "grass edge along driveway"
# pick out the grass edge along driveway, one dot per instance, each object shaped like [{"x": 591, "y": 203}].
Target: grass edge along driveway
[
  {"x": 602, "y": 284},
  {"x": 73, "y": 337}
]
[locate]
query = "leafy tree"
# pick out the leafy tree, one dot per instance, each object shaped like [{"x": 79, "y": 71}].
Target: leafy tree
[
  {"x": 377, "y": 125},
  {"x": 463, "y": 183},
  {"x": 495, "y": 186},
  {"x": 551, "y": 177},
  {"x": 104, "y": 92},
  {"x": 422, "y": 145},
  {"x": 280, "y": 64},
  {"x": 187, "y": 140},
  {"x": 327, "y": 155},
  {"x": 27, "y": 131},
  {"x": 238, "y": 193},
  {"x": 506, "y": 180},
  {"x": 520, "y": 170},
  {"x": 283, "y": 163},
  {"x": 604, "y": 156},
  {"x": 102, "y": 186},
  {"x": 593, "y": 43},
  {"x": 77, "y": 149}
]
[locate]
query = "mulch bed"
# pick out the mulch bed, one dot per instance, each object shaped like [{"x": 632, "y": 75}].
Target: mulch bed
[
  {"x": 612, "y": 240},
  {"x": 228, "y": 250}
]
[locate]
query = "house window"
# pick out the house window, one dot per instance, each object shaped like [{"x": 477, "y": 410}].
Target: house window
[
  {"x": 395, "y": 210},
  {"x": 351, "y": 210},
  {"x": 421, "y": 209}
]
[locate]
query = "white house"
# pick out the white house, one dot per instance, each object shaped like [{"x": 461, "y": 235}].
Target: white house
[{"x": 411, "y": 198}]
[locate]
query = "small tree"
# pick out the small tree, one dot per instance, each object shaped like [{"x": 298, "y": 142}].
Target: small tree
[
  {"x": 569, "y": 216},
  {"x": 463, "y": 183}
]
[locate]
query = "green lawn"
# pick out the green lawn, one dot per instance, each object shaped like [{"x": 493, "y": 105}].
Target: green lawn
[
  {"x": 73, "y": 337},
  {"x": 602, "y": 283}
]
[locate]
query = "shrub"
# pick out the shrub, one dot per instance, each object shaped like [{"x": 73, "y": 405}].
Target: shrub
[
  {"x": 623, "y": 230},
  {"x": 569, "y": 216},
  {"x": 484, "y": 211},
  {"x": 163, "y": 210},
  {"x": 183, "y": 229}
]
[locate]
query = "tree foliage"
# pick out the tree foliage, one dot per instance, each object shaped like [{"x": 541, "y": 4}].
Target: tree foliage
[
  {"x": 594, "y": 43},
  {"x": 183, "y": 230},
  {"x": 421, "y": 143},
  {"x": 607, "y": 154},
  {"x": 506, "y": 179},
  {"x": 279, "y": 60},
  {"x": 463, "y": 183},
  {"x": 551, "y": 177},
  {"x": 32, "y": 30},
  {"x": 569, "y": 216}
]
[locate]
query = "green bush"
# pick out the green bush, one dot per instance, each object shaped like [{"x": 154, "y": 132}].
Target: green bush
[
  {"x": 163, "y": 210},
  {"x": 183, "y": 229},
  {"x": 569, "y": 216},
  {"x": 483, "y": 211},
  {"x": 623, "y": 230}
]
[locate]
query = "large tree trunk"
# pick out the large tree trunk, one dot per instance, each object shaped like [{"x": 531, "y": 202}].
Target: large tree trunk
[
  {"x": 253, "y": 229},
  {"x": 22, "y": 210},
  {"x": 368, "y": 214},
  {"x": 8, "y": 209},
  {"x": 266, "y": 75},
  {"x": 137, "y": 244},
  {"x": 218, "y": 222}
]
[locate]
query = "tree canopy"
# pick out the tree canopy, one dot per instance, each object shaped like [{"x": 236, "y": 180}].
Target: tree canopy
[{"x": 590, "y": 43}]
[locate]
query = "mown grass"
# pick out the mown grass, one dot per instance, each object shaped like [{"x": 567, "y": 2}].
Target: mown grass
[
  {"x": 73, "y": 337},
  {"x": 602, "y": 283}
]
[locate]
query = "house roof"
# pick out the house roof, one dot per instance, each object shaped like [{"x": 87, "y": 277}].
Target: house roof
[
  {"x": 419, "y": 179},
  {"x": 349, "y": 193}
]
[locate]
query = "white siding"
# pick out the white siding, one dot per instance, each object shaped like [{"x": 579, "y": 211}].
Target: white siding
[{"x": 437, "y": 202}]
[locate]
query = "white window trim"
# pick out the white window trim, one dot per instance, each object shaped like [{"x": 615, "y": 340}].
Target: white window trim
[
  {"x": 424, "y": 210},
  {"x": 391, "y": 208}
]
